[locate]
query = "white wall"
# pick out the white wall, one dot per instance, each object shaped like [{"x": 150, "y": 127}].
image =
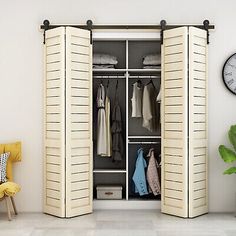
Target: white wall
[{"x": 21, "y": 67}]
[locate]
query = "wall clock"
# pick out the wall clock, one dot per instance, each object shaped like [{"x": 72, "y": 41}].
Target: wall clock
[{"x": 229, "y": 73}]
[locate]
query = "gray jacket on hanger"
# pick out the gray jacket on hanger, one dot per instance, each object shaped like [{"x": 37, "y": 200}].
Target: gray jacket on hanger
[{"x": 116, "y": 129}]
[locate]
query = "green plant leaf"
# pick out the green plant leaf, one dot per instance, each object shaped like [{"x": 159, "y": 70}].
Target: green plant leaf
[
  {"x": 230, "y": 171},
  {"x": 227, "y": 154},
  {"x": 232, "y": 135}
]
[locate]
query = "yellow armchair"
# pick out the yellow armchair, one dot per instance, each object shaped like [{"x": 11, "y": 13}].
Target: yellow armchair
[{"x": 9, "y": 189}]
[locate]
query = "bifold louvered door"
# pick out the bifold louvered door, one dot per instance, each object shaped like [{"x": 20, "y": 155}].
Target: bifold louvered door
[
  {"x": 67, "y": 122},
  {"x": 175, "y": 122},
  {"x": 78, "y": 122},
  {"x": 184, "y": 122},
  {"x": 54, "y": 123},
  {"x": 198, "y": 122}
]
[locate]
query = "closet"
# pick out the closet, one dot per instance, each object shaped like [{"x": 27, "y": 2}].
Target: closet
[
  {"x": 129, "y": 70},
  {"x": 72, "y": 167}
]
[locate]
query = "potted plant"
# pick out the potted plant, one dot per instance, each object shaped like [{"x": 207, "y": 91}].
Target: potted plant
[{"x": 227, "y": 154}]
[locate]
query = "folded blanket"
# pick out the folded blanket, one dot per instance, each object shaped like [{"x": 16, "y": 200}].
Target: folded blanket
[
  {"x": 104, "y": 59},
  {"x": 152, "y": 59},
  {"x": 103, "y": 66}
]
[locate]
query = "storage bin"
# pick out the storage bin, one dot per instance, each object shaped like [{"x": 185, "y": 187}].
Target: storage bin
[{"x": 109, "y": 192}]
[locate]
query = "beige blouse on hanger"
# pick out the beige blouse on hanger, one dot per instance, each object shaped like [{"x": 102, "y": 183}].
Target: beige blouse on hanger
[{"x": 137, "y": 101}]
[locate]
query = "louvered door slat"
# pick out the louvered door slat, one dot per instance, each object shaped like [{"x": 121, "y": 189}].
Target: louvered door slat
[
  {"x": 78, "y": 122},
  {"x": 54, "y": 123},
  {"x": 198, "y": 161},
  {"x": 174, "y": 122}
]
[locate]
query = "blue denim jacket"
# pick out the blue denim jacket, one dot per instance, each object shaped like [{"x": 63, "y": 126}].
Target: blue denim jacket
[{"x": 139, "y": 177}]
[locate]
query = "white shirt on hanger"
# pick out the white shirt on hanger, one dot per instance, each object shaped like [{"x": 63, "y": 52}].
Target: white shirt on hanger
[{"x": 137, "y": 100}]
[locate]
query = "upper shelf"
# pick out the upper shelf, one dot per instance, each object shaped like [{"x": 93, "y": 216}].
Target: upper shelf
[
  {"x": 129, "y": 54},
  {"x": 109, "y": 70},
  {"x": 144, "y": 70},
  {"x": 127, "y": 70}
]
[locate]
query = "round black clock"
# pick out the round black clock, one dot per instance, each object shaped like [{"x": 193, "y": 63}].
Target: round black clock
[{"x": 229, "y": 74}]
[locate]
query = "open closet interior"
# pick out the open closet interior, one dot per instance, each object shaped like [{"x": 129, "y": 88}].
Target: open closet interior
[{"x": 129, "y": 73}]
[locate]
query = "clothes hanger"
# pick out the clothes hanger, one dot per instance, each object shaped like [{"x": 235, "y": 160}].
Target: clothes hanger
[
  {"x": 102, "y": 80},
  {"x": 139, "y": 82},
  {"x": 117, "y": 84},
  {"x": 151, "y": 82}
]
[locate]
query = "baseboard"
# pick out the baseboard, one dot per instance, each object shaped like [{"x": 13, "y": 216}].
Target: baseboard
[{"x": 126, "y": 205}]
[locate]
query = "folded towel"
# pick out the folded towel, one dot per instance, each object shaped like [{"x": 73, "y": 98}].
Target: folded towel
[
  {"x": 101, "y": 59},
  {"x": 152, "y": 59}
]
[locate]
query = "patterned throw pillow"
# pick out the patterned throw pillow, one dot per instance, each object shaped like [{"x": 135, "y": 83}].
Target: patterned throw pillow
[{"x": 3, "y": 166}]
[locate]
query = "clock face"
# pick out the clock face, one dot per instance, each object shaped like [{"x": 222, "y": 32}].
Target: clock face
[{"x": 229, "y": 73}]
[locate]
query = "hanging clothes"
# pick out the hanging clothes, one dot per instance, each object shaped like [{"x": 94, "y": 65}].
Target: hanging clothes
[
  {"x": 137, "y": 100},
  {"x": 116, "y": 129},
  {"x": 108, "y": 125},
  {"x": 159, "y": 101},
  {"x": 139, "y": 177},
  {"x": 101, "y": 122},
  {"x": 108, "y": 128},
  {"x": 149, "y": 107},
  {"x": 159, "y": 96},
  {"x": 152, "y": 174}
]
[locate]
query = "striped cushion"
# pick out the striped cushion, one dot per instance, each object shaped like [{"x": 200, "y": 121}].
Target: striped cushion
[{"x": 3, "y": 166}]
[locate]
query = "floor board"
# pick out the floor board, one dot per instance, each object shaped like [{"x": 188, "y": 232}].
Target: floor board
[{"x": 118, "y": 223}]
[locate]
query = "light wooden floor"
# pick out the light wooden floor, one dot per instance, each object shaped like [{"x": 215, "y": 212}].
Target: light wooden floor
[{"x": 118, "y": 223}]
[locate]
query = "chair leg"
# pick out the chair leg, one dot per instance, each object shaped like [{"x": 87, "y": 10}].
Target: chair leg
[
  {"x": 14, "y": 205},
  {"x": 7, "y": 199}
]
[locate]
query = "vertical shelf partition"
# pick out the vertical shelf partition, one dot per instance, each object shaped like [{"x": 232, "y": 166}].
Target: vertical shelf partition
[{"x": 127, "y": 119}]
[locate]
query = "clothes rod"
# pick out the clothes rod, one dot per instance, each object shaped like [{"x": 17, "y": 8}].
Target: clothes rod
[
  {"x": 144, "y": 77},
  {"x": 144, "y": 137},
  {"x": 144, "y": 142},
  {"x": 108, "y": 76}
]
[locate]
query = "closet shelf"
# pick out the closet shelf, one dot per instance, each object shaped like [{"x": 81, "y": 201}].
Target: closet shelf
[
  {"x": 127, "y": 70},
  {"x": 144, "y": 70},
  {"x": 109, "y": 70},
  {"x": 109, "y": 171}
]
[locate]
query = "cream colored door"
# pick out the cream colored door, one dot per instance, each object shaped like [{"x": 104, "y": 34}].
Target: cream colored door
[
  {"x": 174, "y": 121},
  {"x": 54, "y": 123},
  {"x": 198, "y": 122},
  {"x": 79, "y": 148},
  {"x": 184, "y": 122}
]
